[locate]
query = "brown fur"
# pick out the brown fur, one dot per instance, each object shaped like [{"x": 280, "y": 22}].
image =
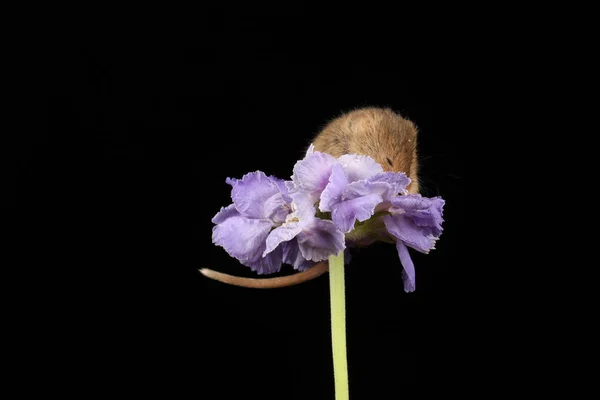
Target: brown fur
[{"x": 376, "y": 132}]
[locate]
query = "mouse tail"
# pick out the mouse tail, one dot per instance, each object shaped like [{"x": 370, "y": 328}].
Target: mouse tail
[{"x": 269, "y": 283}]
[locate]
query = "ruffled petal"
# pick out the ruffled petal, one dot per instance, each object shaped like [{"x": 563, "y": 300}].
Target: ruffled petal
[
  {"x": 320, "y": 241},
  {"x": 311, "y": 174},
  {"x": 241, "y": 237},
  {"x": 303, "y": 207},
  {"x": 225, "y": 213},
  {"x": 365, "y": 188},
  {"x": 293, "y": 256},
  {"x": 359, "y": 167},
  {"x": 334, "y": 189},
  {"x": 423, "y": 211},
  {"x": 268, "y": 264},
  {"x": 283, "y": 189},
  {"x": 345, "y": 214},
  {"x": 413, "y": 202},
  {"x": 408, "y": 268},
  {"x": 430, "y": 220},
  {"x": 256, "y": 196},
  {"x": 284, "y": 233},
  {"x": 398, "y": 181},
  {"x": 290, "y": 186},
  {"x": 231, "y": 181},
  {"x": 403, "y": 228}
]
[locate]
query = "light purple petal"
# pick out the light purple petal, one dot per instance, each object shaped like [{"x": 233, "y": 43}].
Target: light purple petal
[
  {"x": 398, "y": 180},
  {"x": 320, "y": 241},
  {"x": 293, "y": 256},
  {"x": 303, "y": 207},
  {"x": 430, "y": 220},
  {"x": 284, "y": 233},
  {"x": 231, "y": 181},
  {"x": 334, "y": 189},
  {"x": 310, "y": 150},
  {"x": 412, "y": 202},
  {"x": 269, "y": 264},
  {"x": 437, "y": 211},
  {"x": 241, "y": 237},
  {"x": 408, "y": 268},
  {"x": 224, "y": 213},
  {"x": 256, "y": 196},
  {"x": 403, "y": 228},
  {"x": 312, "y": 173},
  {"x": 283, "y": 189},
  {"x": 423, "y": 211},
  {"x": 359, "y": 167},
  {"x": 365, "y": 188},
  {"x": 345, "y": 214},
  {"x": 291, "y": 187}
]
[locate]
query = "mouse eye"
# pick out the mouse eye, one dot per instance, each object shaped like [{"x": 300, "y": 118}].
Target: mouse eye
[{"x": 389, "y": 162}]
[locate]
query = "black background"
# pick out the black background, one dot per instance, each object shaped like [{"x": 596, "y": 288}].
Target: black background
[{"x": 131, "y": 170}]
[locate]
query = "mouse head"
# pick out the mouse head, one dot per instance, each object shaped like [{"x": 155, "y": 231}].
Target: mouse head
[{"x": 388, "y": 138}]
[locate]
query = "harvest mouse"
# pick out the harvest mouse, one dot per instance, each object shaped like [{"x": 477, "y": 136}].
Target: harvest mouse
[{"x": 380, "y": 133}]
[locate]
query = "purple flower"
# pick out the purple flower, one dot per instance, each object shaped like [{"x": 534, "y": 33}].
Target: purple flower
[
  {"x": 272, "y": 221},
  {"x": 416, "y": 222},
  {"x": 316, "y": 239},
  {"x": 356, "y": 186},
  {"x": 266, "y": 226},
  {"x": 242, "y": 228},
  {"x": 311, "y": 174}
]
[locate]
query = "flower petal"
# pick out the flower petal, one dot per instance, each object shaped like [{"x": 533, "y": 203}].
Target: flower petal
[
  {"x": 241, "y": 237},
  {"x": 334, "y": 189},
  {"x": 231, "y": 181},
  {"x": 423, "y": 211},
  {"x": 224, "y": 213},
  {"x": 403, "y": 228},
  {"x": 359, "y": 167},
  {"x": 386, "y": 184},
  {"x": 408, "y": 268},
  {"x": 310, "y": 150},
  {"x": 398, "y": 180},
  {"x": 414, "y": 202},
  {"x": 269, "y": 264},
  {"x": 256, "y": 196},
  {"x": 365, "y": 188},
  {"x": 284, "y": 233},
  {"x": 303, "y": 208},
  {"x": 312, "y": 173},
  {"x": 283, "y": 189},
  {"x": 345, "y": 214},
  {"x": 293, "y": 256},
  {"x": 430, "y": 220},
  {"x": 320, "y": 241},
  {"x": 291, "y": 187}
]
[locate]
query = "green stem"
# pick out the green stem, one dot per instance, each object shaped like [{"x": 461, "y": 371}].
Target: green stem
[{"x": 338, "y": 325}]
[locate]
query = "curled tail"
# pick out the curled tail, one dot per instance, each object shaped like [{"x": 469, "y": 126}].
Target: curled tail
[{"x": 269, "y": 283}]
